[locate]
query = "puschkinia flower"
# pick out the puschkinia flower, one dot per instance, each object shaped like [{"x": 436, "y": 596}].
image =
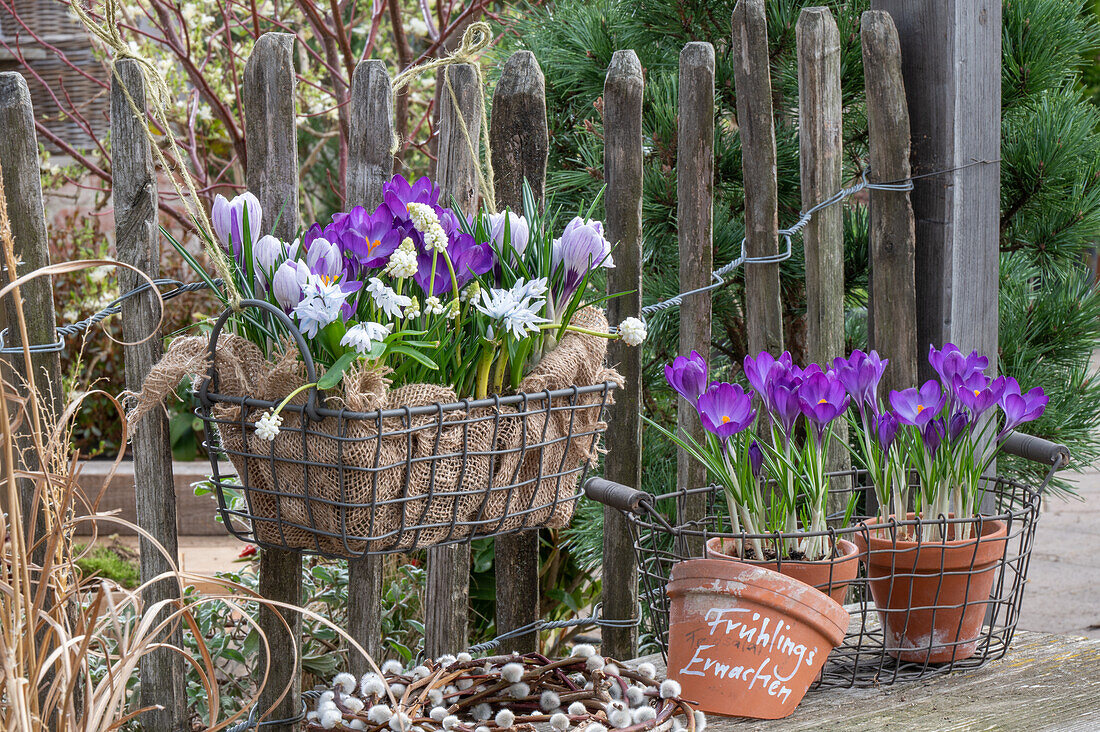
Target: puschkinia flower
[
  {"x": 515, "y": 309},
  {"x": 228, "y": 217},
  {"x": 977, "y": 392},
  {"x": 386, "y": 298},
  {"x": 580, "y": 249},
  {"x": 321, "y": 304},
  {"x": 688, "y": 376},
  {"x": 860, "y": 374},
  {"x": 518, "y": 230},
  {"x": 725, "y": 409},
  {"x": 950, "y": 362},
  {"x": 918, "y": 407},
  {"x": 402, "y": 263},
  {"x": 362, "y": 336},
  {"x": 267, "y": 426},
  {"x": 1020, "y": 408},
  {"x": 633, "y": 331}
]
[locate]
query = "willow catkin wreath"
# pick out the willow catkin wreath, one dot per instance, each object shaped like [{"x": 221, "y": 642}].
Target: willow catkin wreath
[{"x": 461, "y": 694}]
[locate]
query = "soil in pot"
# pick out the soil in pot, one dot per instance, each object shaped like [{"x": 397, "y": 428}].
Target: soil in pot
[
  {"x": 746, "y": 641},
  {"x": 932, "y": 596},
  {"x": 831, "y": 576}
]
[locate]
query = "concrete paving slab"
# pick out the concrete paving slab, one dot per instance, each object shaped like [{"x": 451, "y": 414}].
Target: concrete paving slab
[{"x": 1063, "y": 591}]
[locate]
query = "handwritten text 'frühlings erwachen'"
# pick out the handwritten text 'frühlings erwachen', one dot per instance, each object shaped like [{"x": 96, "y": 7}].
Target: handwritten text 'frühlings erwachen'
[{"x": 777, "y": 650}]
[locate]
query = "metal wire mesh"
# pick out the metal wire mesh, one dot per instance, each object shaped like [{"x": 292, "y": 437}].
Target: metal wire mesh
[
  {"x": 392, "y": 480},
  {"x": 880, "y": 647}
]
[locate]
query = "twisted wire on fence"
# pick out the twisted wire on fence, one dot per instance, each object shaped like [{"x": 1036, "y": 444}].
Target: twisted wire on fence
[{"x": 719, "y": 275}]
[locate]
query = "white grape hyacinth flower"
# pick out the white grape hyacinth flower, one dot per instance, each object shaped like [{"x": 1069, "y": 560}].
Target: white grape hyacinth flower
[
  {"x": 633, "y": 331},
  {"x": 434, "y": 306},
  {"x": 267, "y": 426},
  {"x": 413, "y": 310},
  {"x": 362, "y": 336},
  {"x": 386, "y": 298},
  {"x": 402, "y": 263}
]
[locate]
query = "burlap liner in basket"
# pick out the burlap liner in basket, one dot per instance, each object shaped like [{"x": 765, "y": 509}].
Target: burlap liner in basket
[{"x": 371, "y": 486}]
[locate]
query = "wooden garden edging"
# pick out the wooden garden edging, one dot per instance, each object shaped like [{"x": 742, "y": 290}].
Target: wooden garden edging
[{"x": 519, "y": 143}]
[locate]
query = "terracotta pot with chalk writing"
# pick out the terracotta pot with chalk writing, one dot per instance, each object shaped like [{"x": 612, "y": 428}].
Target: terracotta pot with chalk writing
[
  {"x": 932, "y": 596},
  {"x": 831, "y": 576},
  {"x": 746, "y": 641}
]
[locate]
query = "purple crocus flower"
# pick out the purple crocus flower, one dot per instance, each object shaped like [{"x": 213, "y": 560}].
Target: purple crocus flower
[
  {"x": 398, "y": 193},
  {"x": 782, "y": 403},
  {"x": 688, "y": 376},
  {"x": 886, "y": 429},
  {"x": 581, "y": 248},
  {"x": 758, "y": 370},
  {"x": 932, "y": 435},
  {"x": 977, "y": 392},
  {"x": 860, "y": 374},
  {"x": 917, "y": 407},
  {"x": 1020, "y": 408},
  {"x": 287, "y": 283},
  {"x": 950, "y": 362},
  {"x": 957, "y": 425},
  {"x": 324, "y": 258},
  {"x": 725, "y": 409},
  {"x": 756, "y": 458},
  {"x": 468, "y": 258},
  {"x": 228, "y": 216},
  {"x": 366, "y": 239},
  {"x": 821, "y": 399}
]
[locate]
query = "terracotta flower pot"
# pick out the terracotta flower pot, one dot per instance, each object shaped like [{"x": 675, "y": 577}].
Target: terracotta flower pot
[
  {"x": 746, "y": 641},
  {"x": 932, "y": 596},
  {"x": 831, "y": 576}
]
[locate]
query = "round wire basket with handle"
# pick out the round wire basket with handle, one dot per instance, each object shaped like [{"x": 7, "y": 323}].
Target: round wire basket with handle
[
  {"x": 418, "y": 468},
  {"x": 896, "y": 559}
]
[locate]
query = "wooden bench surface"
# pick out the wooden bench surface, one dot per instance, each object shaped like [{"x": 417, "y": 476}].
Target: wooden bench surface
[{"x": 1045, "y": 682}]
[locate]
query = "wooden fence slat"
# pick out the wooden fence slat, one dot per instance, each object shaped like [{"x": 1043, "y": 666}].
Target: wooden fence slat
[
  {"x": 622, "y": 94},
  {"x": 520, "y": 144},
  {"x": 272, "y": 175},
  {"x": 137, "y": 239},
  {"x": 695, "y": 232},
  {"x": 370, "y": 165},
  {"x": 448, "y": 594},
  {"x": 26, "y": 215},
  {"x": 821, "y": 155},
  {"x": 891, "y": 317},
  {"x": 752, "y": 80}
]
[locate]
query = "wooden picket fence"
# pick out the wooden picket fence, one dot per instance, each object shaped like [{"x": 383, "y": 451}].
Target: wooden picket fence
[{"x": 518, "y": 134}]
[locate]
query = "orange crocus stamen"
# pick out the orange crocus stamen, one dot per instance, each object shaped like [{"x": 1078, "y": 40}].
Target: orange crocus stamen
[
  {"x": 920, "y": 408},
  {"x": 977, "y": 392},
  {"x": 725, "y": 418},
  {"x": 823, "y": 401}
]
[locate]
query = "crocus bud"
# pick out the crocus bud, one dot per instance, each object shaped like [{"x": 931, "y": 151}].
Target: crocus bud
[
  {"x": 227, "y": 217},
  {"x": 756, "y": 458},
  {"x": 324, "y": 258},
  {"x": 287, "y": 283},
  {"x": 518, "y": 230},
  {"x": 267, "y": 254}
]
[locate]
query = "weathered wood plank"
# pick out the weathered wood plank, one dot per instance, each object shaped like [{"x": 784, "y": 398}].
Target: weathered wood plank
[
  {"x": 448, "y": 594},
  {"x": 622, "y": 94},
  {"x": 272, "y": 143},
  {"x": 1045, "y": 682},
  {"x": 520, "y": 143},
  {"x": 137, "y": 239},
  {"x": 23, "y": 193},
  {"x": 695, "y": 232},
  {"x": 821, "y": 156},
  {"x": 951, "y": 64},
  {"x": 752, "y": 80},
  {"x": 892, "y": 312},
  {"x": 370, "y": 165}
]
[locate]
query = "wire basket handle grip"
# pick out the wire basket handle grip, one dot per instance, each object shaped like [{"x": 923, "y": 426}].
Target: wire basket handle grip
[
  {"x": 311, "y": 369},
  {"x": 1035, "y": 448},
  {"x": 616, "y": 495}
]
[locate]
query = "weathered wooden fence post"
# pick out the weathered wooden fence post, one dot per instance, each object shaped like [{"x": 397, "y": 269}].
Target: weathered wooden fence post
[
  {"x": 752, "y": 80},
  {"x": 370, "y": 165},
  {"x": 446, "y": 606},
  {"x": 272, "y": 174},
  {"x": 891, "y": 317},
  {"x": 137, "y": 239},
  {"x": 622, "y": 113},
  {"x": 23, "y": 192},
  {"x": 951, "y": 65},
  {"x": 821, "y": 155},
  {"x": 695, "y": 232},
  {"x": 520, "y": 144}
]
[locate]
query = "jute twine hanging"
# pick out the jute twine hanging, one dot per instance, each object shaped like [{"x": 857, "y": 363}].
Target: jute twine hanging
[{"x": 158, "y": 97}]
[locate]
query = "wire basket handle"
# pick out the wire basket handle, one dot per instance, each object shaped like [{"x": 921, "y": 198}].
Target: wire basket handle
[
  {"x": 1037, "y": 449},
  {"x": 616, "y": 495},
  {"x": 310, "y": 409}
]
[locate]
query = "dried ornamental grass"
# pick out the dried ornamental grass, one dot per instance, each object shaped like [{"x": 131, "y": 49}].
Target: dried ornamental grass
[{"x": 515, "y": 692}]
